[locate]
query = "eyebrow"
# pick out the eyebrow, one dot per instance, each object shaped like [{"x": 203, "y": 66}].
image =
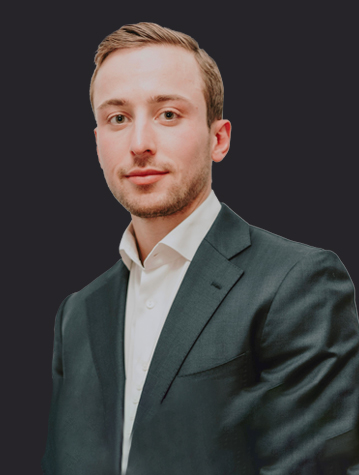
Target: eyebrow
[
  {"x": 166, "y": 98},
  {"x": 152, "y": 100}
]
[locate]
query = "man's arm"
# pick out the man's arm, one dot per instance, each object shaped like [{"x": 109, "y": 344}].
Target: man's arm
[
  {"x": 57, "y": 380},
  {"x": 309, "y": 355}
]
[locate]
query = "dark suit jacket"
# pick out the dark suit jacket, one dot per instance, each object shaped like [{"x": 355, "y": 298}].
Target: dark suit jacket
[{"x": 256, "y": 370}]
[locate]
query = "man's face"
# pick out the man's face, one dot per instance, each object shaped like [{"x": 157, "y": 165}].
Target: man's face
[{"x": 153, "y": 141}]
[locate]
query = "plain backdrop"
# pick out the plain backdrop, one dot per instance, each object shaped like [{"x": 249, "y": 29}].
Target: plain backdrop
[{"x": 291, "y": 77}]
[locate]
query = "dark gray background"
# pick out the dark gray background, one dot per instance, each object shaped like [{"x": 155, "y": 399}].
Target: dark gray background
[{"x": 290, "y": 76}]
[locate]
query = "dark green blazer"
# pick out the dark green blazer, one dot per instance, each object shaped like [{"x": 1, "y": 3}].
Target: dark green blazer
[{"x": 256, "y": 370}]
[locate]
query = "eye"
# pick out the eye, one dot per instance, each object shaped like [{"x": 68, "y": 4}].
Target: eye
[
  {"x": 118, "y": 119},
  {"x": 169, "y": 115}
]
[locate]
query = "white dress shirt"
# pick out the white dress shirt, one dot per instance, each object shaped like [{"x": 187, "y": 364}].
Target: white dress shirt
[{"x": 151, "y": 290}]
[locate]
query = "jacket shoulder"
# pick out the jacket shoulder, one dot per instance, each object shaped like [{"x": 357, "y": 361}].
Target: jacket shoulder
[
  {"x": 281, "y": 254},
  {"x": 276, "y": 243},
  {"x": 97, "y": 283},
  {"x": 235, "y": 238}
]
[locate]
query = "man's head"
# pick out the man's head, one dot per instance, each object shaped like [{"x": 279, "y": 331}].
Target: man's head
[{"x": 158, "y": 101}]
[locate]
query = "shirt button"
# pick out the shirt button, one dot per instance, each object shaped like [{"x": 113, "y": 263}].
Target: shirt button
[
  {"x": 139, "y": 386},
  {"x": 150, "y": 304},
  {"x": 135, "y": 401},
  {"x": 145, "y": 366}
]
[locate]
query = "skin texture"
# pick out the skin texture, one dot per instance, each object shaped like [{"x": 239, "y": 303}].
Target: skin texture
[{"x": 151, "y": 115}]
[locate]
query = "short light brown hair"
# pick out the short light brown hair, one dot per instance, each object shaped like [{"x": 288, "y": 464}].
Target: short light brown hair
[{"x": 142, "y": 34}]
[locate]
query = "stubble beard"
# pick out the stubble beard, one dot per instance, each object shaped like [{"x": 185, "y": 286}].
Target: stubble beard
[{"x": 174, "y": 200}]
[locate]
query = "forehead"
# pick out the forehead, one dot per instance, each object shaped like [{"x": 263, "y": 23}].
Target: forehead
[{"x": 149, "y": 70}]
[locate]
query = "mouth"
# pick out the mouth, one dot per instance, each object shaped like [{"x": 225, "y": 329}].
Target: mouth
[{"x": 145, "y": 176}]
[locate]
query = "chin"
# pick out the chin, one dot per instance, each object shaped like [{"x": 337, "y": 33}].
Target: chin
[
  {"x": 154, "y": 207},
  {"x": 152, "y": 211}
]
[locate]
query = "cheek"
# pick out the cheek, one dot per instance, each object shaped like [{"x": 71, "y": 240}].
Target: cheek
[
  {"x": 110, "y": 151},
  {"x": 185, "y": 148}
]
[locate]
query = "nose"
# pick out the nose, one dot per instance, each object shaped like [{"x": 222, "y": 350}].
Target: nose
[{"x": 142, "y": 139}]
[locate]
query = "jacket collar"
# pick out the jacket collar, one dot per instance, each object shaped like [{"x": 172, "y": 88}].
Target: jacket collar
[{"x": 229, "y": 234}]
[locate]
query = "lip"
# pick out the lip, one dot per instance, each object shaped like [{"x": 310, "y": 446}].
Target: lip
[{"x": 145, "y": 176}]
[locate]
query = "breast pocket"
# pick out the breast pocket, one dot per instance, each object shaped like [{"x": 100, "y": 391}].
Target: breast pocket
[
  {"x": 235, "y": 367},
  {"x": 206, "y": 397}
]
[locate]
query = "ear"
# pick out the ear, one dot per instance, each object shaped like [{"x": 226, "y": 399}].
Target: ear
[
  {"x": 221, "y": 130},
  {"x": 98, "y": 155}
]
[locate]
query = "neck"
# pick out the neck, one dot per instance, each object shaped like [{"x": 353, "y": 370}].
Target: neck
[{"x": 150, "y": 231}]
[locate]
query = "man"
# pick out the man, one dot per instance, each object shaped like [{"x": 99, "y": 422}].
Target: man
[{"x": 211, "y": 346}]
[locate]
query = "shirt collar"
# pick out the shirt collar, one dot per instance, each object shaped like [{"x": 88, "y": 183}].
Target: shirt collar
[{"x": 183, "y": 240}]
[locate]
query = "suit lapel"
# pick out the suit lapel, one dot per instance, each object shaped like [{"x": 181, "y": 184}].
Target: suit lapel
[
  {"x": 209, "y": 278},
  {"x": 105, "y": 313}
]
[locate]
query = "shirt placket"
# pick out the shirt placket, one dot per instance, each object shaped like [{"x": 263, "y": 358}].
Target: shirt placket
[{"x": 144, "y": 323}]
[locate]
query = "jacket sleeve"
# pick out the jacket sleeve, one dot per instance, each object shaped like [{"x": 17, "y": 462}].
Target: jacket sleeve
[
  {"x": 49, "y": 457},
  {"x": 307, "y": 422}
]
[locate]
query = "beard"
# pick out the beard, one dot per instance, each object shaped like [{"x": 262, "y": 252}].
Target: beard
[{"x": 174, "y": 199}]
